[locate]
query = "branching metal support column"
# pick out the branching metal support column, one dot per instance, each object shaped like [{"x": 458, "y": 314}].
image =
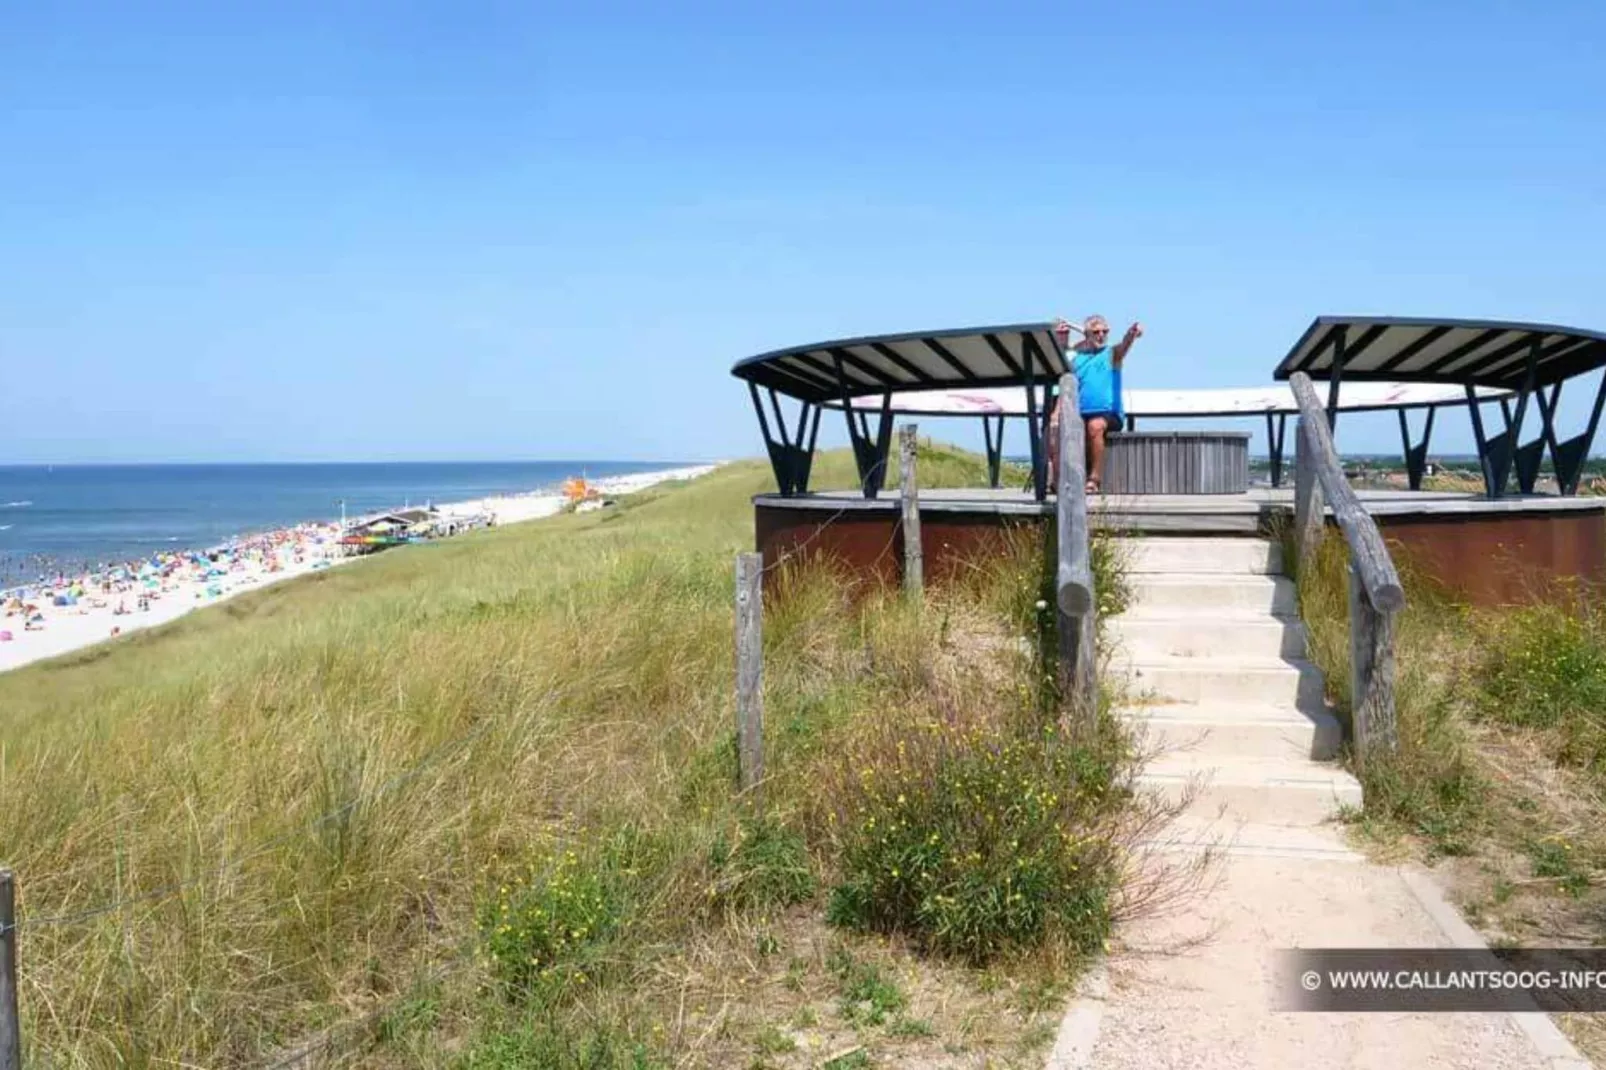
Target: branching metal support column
[
  {"x": 1274, "y": 445},
  {"x": 1332, "y": 384},
  {"x": 790, "y": 459},
  {"x": 1524, "y": 458},
  {"x": 995, "y": 448},
  {"x": 869, "y": 451},
  {"x": 1547, "y": 416},
  {"x": 1034, "y": 429},
  {"x": 1484, "y": 461},
  {"x": 1568, "y": 457},
  {"x": 1416, "y": 457}
]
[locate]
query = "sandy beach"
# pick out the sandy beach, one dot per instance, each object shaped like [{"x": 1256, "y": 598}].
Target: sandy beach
[{"x": 45, "y": 620}]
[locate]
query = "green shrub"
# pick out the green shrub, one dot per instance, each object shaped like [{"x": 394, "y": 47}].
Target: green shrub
[
  {"x": 1549, "y": 664},
  {"x": 866, "y": 995},
  {"x": 766, "y": 865},
  {"x": 1112, "y": 591},
  {"x": 541, "y": 929},
  {"x": 551, "y": 1043},
  {"x": 975, "y": 842},
  {"x": 1553, "y": 858},
  {"x": 1544, "y": 666}
]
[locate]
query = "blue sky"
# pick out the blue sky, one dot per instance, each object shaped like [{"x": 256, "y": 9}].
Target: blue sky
[{"x": 301, "y": 231}]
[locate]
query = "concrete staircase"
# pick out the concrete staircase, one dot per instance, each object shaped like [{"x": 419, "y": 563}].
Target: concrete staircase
[{"x": 1219, "y": 684}]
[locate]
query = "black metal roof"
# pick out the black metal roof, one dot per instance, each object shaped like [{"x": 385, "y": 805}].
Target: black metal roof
[
  {"x": 1472, "y": 352},
  {"x": 969, "y": 357}
]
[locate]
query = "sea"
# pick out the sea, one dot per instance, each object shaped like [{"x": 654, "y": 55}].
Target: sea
[{"x": 66, "y": 518}]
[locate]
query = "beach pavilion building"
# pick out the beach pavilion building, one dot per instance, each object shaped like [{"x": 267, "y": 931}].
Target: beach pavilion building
[{"x": 1197, "y": 481}]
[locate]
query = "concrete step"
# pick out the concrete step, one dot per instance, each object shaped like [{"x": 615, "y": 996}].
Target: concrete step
[
  {"x": 1264, "y": 791},
  {"x": 1178, "y": 554},
  {"x": 1236, "y": 730},
  {"x": 1142, "y": 633},
  {"x": 1225, "y": 681},
  {"x": 1253, "y": 839},
  {"x": 1206, "y": 593}
]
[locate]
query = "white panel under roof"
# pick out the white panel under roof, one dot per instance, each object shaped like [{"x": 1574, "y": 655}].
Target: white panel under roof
[{"x": 1160, "y": 404}]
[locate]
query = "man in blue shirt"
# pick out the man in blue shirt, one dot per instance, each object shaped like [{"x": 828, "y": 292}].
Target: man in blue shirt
[{"x": 1097, "y": 367}]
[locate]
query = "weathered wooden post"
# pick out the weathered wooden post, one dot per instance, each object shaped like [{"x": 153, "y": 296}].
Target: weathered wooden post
[
  {"x": 1309, "y": 507},
  {"x": 1371, "y": 651},
  {"x": 1078, "y": 661},
  {"x": 914, "y": 555},
  {"x": 750, "y": 674},
  {"x": 1375, "y": 593},
  {"x": 10, "y": 1022}
]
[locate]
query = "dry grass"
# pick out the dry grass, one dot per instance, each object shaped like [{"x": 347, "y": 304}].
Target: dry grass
[
  {"x": 1499, "y": 780},
  {"x": 308, "y": 800}
]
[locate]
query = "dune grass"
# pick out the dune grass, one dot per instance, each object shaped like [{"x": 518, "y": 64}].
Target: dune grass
[
  {"x": 471, "y": 804},
  {"x": 1501, "y": 773}
]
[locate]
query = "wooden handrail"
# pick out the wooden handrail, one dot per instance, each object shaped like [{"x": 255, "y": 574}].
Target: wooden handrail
[
  {"x": 1075, "y": 557},
  {"x": 1366, "y": 547},
  {"x": 1375, "y": 594},
  {"x": 1074, "y": 586}
]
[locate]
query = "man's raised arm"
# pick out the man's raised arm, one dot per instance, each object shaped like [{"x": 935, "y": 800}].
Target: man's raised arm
[{"x": 1133, "y": 333}]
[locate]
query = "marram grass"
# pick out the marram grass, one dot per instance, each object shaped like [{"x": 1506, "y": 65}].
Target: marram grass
[{"x": 470, "y": 795}]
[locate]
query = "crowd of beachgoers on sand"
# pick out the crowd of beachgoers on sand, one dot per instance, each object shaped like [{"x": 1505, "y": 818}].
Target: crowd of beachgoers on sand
[{"x": 64, "y": 609}]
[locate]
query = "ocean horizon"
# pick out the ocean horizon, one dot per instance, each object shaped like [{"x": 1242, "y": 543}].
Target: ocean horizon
[{"x": 71, "y": 517}]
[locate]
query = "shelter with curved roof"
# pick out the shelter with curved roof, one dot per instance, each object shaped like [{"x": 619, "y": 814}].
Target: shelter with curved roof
[
  {"x": 1370, "y": 363},
  {"x": 1019, "y": 355},
  {"x": 1532, "y": 359}
]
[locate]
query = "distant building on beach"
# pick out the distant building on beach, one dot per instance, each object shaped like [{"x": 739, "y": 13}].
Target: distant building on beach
[
  {"x": 402, "y": 526},
  {"x": 387, "y": 529}
]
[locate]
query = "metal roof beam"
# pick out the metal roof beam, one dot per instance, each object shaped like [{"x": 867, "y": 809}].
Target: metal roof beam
[
  {"x": 860, "y": 364},
  {"x": 953, "y": 362},
  {"x": 920, "y": 375},
  {"x": 1558, "y": 348},
  {"x": 1477, "y": 342},
  {"x": 1001, "y": 351},
  {"x": 1354, "y": 349},
  {"x": 1487, "y": 361},
  {"x": 1334, "y": 332},
  {"x": 816, "y": 389},
  {"x": 1412, "y": 349}
]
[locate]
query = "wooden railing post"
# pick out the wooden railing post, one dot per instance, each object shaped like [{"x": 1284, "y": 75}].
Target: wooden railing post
[
  {"x": 1371, "y": 647},
  {"x": 1375, "y": 593},
  {"x": 750, "y": 673},
  {"x": 1078, "y": 656},
  {"x": 1310, "y": 511},
  {"x": 914, "y": 562},
  {"x": 10, "y": 1023}
]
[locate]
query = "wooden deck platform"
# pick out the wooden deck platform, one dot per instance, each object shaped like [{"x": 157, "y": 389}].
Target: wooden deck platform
[{"x": 1491, "y": 551}]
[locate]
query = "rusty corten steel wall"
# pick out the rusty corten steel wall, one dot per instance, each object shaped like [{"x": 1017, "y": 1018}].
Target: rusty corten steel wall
[
  {"x": 870, "y": 543},
  {"x": 1489, "y": 559},
  {"x": 1495, "y": 559}
]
